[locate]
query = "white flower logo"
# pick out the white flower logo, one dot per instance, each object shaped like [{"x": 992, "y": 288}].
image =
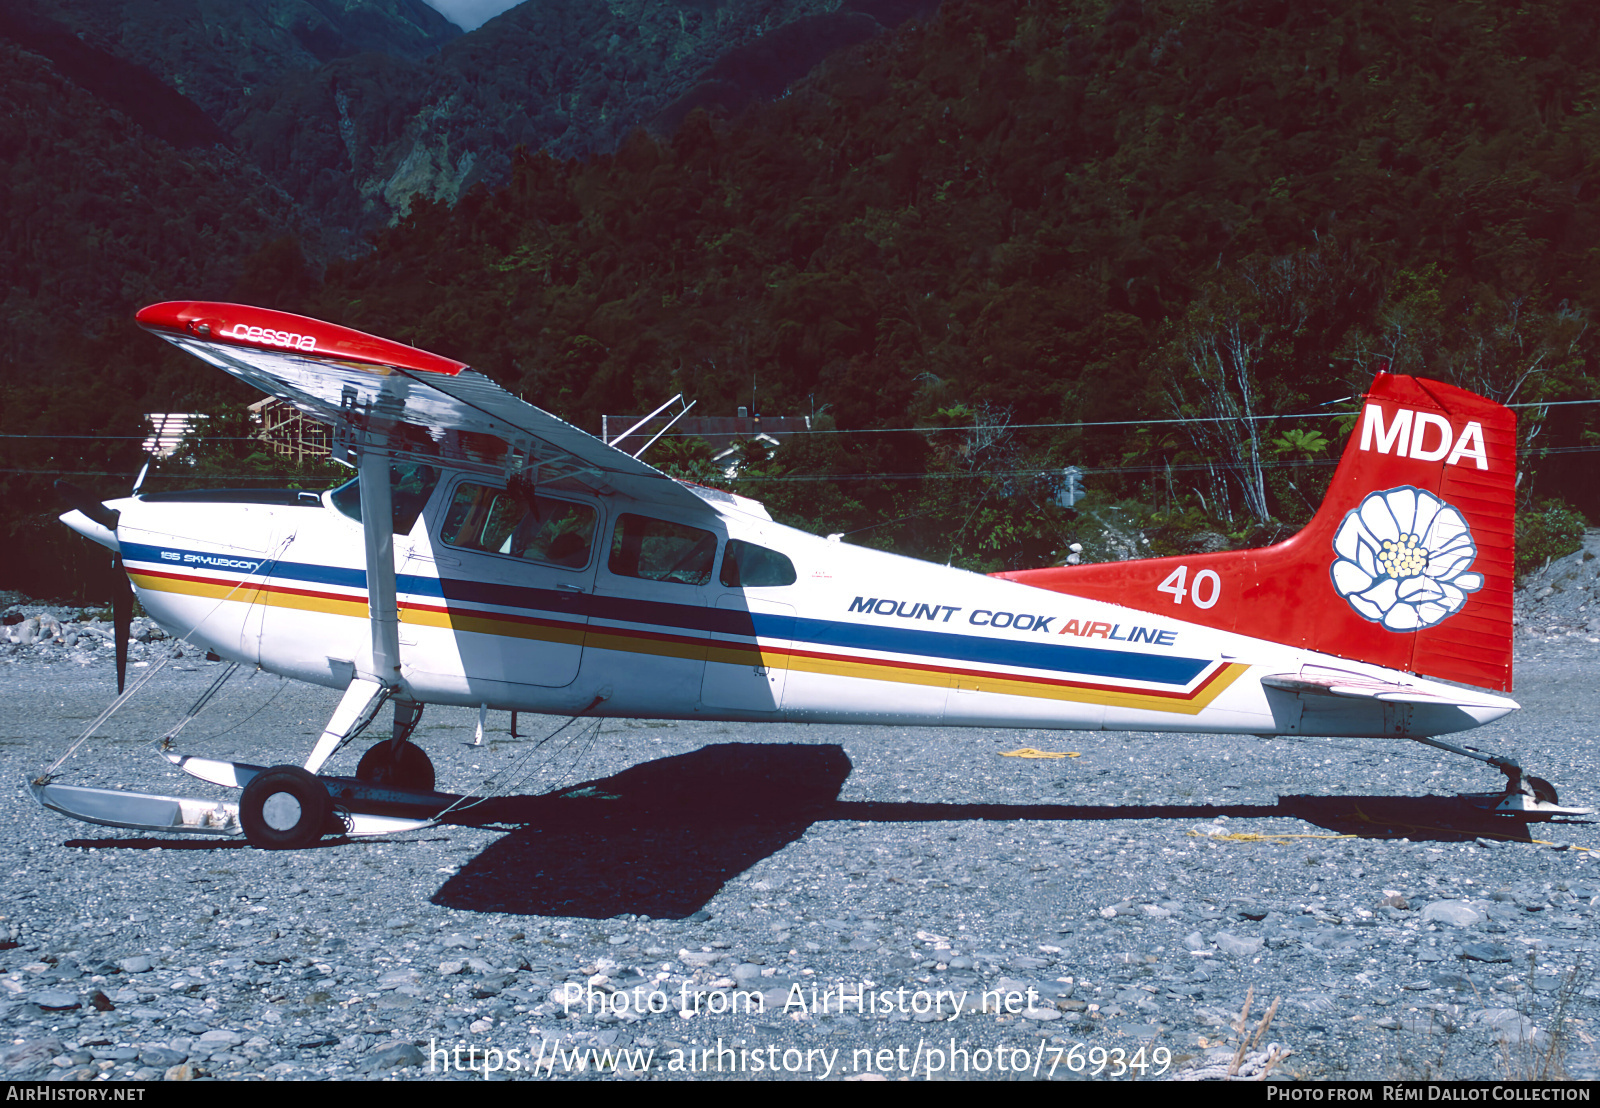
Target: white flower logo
[{"x": 1403, "y": 559}]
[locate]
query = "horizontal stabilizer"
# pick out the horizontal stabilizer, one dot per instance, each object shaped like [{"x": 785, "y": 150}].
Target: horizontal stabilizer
[{"x": 1333, "y": 683}]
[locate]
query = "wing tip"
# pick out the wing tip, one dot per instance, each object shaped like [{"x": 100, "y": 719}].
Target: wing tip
[{"x": 243, "y": 325}]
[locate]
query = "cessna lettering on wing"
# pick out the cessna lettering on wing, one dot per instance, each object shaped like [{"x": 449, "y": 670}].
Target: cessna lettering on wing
[
  {"x": 1422, "y": 436},
  {"x": 287, "y": 339}
]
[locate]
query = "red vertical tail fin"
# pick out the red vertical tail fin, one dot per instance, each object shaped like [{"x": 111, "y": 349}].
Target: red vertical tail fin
[{"x": 1408, "y": 564}]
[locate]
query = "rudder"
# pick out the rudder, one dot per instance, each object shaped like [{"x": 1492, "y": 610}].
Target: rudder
[{"x": 1409, "y": 563}]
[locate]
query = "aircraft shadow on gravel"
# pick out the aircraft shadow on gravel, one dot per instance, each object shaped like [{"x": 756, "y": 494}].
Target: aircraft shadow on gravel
[{"x": 662, "y": 838}]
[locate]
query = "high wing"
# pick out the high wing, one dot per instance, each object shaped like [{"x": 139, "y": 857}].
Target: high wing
[{"x": 334, "y": 373}]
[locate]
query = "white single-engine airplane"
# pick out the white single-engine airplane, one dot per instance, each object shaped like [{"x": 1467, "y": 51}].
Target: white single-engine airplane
[{"x": 489, "y": 554}]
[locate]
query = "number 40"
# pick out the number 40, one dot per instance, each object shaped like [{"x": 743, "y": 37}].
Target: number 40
[{"x": 1205, "y": 592}]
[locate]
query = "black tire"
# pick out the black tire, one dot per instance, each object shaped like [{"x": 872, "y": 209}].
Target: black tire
[
  {"x": 1543, "y": 790},
  {"x": 284, "y": 808},
  {"x": 407, "y": 768}
]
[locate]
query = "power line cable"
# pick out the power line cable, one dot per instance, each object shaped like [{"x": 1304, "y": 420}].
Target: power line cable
[
  {"x": 1047, "y": 471},
  {"x": 921, "y": 430}
]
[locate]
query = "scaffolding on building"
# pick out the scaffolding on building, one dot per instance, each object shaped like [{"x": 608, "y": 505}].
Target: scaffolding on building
[{"x": 290, "y": 432}]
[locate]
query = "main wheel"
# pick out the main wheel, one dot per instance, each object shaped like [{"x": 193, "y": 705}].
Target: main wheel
[
  {"x": 1543, "y": 791},
  {"x": 284, "y": 808},
  {"x": 407, "y": 768}
]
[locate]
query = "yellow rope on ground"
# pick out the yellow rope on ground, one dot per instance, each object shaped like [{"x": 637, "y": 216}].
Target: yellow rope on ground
[
  {"x": 1254, "y": 837},
  {"x": 1029, "y": 752}
]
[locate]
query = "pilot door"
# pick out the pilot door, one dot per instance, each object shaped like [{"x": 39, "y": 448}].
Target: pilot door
[
  {"x": 749, "y": 663},
  {"x": 651, "y": 624},
  {"x": 500, "y": 592}
]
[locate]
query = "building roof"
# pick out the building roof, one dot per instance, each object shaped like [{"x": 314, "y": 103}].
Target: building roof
[{"x": 168, "y": 430}]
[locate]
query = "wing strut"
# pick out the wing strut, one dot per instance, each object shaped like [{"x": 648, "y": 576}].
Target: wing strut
[
  {"x": 379, "y": 679},
  {"x": 377, "y": 527}
]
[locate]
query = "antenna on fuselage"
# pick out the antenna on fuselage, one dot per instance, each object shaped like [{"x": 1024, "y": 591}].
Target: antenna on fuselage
[{"x": 681, "y": 413}]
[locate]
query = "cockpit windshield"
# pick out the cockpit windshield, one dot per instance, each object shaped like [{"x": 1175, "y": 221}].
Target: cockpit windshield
[{"x": 410, "y": 486}]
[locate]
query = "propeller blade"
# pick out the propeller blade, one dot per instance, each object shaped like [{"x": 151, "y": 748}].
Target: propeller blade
[
  {"x": 88, "y": 505},
  {"x": 121, "y": 617}
]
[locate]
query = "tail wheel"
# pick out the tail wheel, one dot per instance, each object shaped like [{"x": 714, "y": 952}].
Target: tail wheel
[
  {"x": 1543, "y": 791},
  {"x": 284, "y": 808},
  {"x": 405, "y": 768}
]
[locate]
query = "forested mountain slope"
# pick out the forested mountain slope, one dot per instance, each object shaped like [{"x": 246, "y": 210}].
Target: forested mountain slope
[
  {"x": 219, "y": 52},
  {"x": 357, "y": 138},
  {"x": 1057, "y": 211}
]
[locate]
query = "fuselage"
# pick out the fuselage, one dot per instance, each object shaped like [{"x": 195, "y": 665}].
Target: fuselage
[{"x": 572, "y": 602}]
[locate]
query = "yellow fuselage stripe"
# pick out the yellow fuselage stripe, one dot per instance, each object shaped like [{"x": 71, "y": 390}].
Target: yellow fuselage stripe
[{"x": 668, "y": 645}]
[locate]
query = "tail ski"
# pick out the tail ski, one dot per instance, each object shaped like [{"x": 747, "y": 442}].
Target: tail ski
[{"x": 1409, "y": 563}]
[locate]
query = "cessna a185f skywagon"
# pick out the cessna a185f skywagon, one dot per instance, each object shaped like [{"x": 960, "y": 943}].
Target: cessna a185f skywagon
[{"x": 489, "y": 554}]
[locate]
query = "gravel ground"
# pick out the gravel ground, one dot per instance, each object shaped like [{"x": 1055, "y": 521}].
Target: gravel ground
[{"x": 982, "y": 915}]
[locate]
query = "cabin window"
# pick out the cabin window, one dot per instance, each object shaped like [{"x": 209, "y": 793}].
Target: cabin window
[
  {"x": 409, "y": 487},
  {"x": 660, "y": 551},
  {"x": 536, "y": 529},
  {"x": 748, "y": 566}
]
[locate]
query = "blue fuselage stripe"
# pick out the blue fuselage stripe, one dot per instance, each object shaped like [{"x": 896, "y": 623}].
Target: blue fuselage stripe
[{"x": 966, "y": 650}]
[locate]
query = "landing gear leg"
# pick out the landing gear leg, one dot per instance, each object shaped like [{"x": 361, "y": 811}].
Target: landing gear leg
[{"x": 1532, "y": 797}]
